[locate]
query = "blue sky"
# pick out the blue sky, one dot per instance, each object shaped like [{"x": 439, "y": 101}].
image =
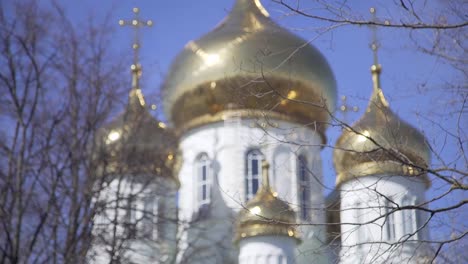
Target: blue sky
[{"x": 414, "y": 83}]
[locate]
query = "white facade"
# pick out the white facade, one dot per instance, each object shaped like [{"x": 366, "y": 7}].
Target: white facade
[
  {"x": 376, "y": 227},
  {"x": 136, "y": 221},
  {"x": 267, "y": 250},
  {"x": 227, "y": 144}
]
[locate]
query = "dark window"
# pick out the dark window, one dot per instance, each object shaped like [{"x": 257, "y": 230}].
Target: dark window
[
  {"x": 303, "y": 187},
  {"x": 203, "y": 171},
  {"x": 253, "y": 172}
]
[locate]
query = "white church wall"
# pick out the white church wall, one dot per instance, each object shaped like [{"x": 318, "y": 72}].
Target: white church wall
[
  {"x": 283, "y": 164},
  {"x": 267, "y": 250},
  {"x": 226, "y": 144},
  {"x": 153, "y": 229},
  {"x": 373, "y": 228}
]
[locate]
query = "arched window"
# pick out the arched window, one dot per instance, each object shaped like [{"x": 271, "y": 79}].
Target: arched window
[
  {"x": 409, "y": 217},
  {"x": 162, "y": 220},
  {"x": 253, "y": 172},
  {"x": 133, "y": 215},
  {"x": 303, "y": 183},
  {"x": 150, "y": 217},
  {"x": 359, "y": 218},
  {"x": 420, "y": 220},
  {"x": 202, "y": 166},
  {"x": 390, "y": 221}
]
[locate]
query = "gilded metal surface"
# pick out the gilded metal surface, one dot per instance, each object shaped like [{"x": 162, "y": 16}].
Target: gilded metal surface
[
  {"x": 388, "y": 167},
  {"x": 135, "y": 143},
  {"x": 380, "y": 143},
  {"x": 266, "y": 215},
  {"x": 249, "y": 62}
]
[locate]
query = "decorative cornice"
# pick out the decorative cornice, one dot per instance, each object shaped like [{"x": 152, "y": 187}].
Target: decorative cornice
[
  {"x": 265, "y": 119},
  {"x": 381, "y": 168}
]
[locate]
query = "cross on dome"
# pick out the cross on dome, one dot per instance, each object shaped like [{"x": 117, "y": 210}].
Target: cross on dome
[
  {"x": 375, "y": 44},
  {"x": 376, "y": 68},
  {"x": 136, "y": 23}
]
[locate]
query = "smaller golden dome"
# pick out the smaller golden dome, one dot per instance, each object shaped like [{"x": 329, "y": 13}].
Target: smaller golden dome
[
  {"x": 380, "y": 143},
  {"x": 266, "y": 215},
  {"x": 135, "y": 142}
]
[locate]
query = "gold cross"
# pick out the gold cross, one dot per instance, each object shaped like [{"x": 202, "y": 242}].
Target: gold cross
[
  {"x": 376, "y": 68},
  {"x": 374, "y": 45},
  {"x": 345, "y": 107},
  {"x": 136, "y": 23}
]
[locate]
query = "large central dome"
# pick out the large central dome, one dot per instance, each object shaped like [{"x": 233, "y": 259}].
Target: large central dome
[{"x": 249, "y": 63}]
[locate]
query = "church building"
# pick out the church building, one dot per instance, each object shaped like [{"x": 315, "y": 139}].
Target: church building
[{"x": 236, "y": 175}]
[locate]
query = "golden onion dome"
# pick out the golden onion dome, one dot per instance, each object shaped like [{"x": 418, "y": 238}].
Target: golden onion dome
[
  {"x": 135, "y": 142},
  {"x": 380, "y": 143},
  {"x": 248, "y": 62},
  {"x": 265, "y": 214}
]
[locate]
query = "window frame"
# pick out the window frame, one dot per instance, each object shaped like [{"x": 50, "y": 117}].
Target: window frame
[
  {"x": 131, "y": 217},
  {"x": 203, "y": 180},
  {"x": 150, "y": 219},
  {"x": 252, "y": 180},
  {"x": 303, "y": 187},
  {"x": 390, "y": 225},
  {"x": 409, "y": 221},
  {"x": 419, "y": 215}
]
